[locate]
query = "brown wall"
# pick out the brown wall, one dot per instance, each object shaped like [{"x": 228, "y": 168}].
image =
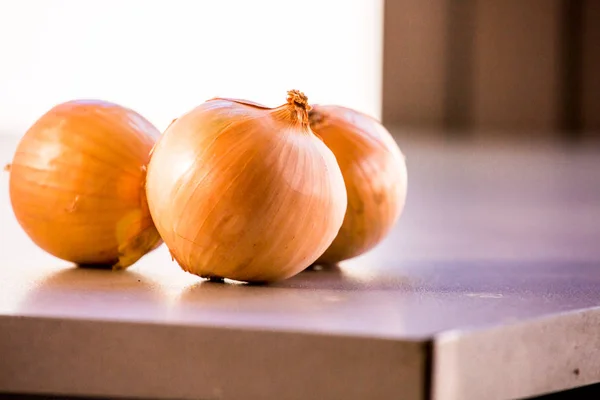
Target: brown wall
[
  {"x": 413, "y": 62},
  {"x": 591, "y": 66},
  {"x": 516, "y": 71},
  {"x": 510, "y": 66}
]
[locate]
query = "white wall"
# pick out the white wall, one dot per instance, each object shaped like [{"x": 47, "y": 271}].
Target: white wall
[{"x": 164, "y": 57}]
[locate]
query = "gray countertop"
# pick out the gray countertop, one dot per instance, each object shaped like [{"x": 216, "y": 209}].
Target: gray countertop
[{"x": 488, "y": 287}]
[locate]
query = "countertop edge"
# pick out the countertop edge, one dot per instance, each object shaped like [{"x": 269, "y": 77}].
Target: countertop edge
[
  {"x": 518, "y": 360},
  {"x": 142, "y": 360}
]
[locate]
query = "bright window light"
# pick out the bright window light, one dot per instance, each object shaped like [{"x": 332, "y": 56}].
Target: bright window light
[{"x": 162, "y": 57}]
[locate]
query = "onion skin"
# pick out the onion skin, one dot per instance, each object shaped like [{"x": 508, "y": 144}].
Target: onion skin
[
  {"x": 245, "y": 192},
  {"x": 375, "y": 175},
  {"x": 77, "y": 183}
]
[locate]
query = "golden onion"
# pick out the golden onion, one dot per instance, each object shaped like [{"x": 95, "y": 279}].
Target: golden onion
[
  {"x": 77, "y": 183},
  {"x": 241, "y": 191},
  {"x": 375, "y": 175}
]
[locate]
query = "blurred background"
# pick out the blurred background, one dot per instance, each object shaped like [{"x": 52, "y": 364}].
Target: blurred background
[
  {"x": 493, "y": 68},
  {"x": 469, "y": 68}
]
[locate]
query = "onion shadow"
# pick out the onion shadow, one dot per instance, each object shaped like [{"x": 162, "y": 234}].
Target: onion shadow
[
  {"x": 92, "y": 291},
  {"x": 317, "y": 277}
]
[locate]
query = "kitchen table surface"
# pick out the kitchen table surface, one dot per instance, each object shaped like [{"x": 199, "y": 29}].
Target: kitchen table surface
[{"x": 488, "y": 287}]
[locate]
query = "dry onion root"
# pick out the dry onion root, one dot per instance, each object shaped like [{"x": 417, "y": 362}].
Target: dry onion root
[
  {"x": 77, "y": 183},
  {"x": 375, "y": 175},
  {"x": 241, "y": 191}
]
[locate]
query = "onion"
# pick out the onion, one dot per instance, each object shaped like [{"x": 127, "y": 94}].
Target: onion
[
  {"x": 241, "y": 191},
  {"x": 375, "y": 175},
  {"x": 77, "y": 183}
]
